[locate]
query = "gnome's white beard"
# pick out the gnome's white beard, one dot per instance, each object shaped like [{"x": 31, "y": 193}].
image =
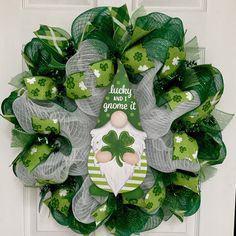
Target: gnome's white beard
[{"x": 115, "y": 175}]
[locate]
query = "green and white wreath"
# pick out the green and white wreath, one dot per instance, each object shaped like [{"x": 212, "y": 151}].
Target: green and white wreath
[{"x": 117, "y": 121}]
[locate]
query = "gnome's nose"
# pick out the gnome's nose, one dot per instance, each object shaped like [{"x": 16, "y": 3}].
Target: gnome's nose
[{"x": 119, "y": 119}]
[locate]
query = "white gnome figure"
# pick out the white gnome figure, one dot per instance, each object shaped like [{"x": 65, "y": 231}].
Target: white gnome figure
[
  {"x": 116, "y": 175},
  {"x": 118, "y": 139}
]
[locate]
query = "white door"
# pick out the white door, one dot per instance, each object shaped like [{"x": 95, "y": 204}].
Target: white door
[{"x": 213, "y": 21}]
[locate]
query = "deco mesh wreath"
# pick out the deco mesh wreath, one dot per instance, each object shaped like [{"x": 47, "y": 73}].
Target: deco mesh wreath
[{"x": 117, "y": 121}]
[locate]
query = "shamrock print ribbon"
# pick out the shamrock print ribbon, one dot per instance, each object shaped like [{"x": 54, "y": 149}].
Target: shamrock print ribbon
[
  {"x": 75, "y": 87},
  {"x": 185, "y": 148},
  {"x": 36, "y": 154},
  {"x": 41, "y": 88},
  {"x": 45, "y": 126}
]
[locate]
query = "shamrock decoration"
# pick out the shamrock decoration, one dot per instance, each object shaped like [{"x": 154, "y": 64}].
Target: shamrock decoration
[
  {"x": 104, "y": 66},
  {"x": 138, "y": 56},
  {"x": 70, "y": 83},
  {"x": 41, "y": 82},
  {"x": 35, "y": 92},
  {"x": 118, "y": 146},
  {"x": 206, "y": 106},
  {"x": 177, "y": 98}
]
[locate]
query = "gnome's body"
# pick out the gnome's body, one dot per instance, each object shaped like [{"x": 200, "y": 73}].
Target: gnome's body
[
  {"x": 118, "y": 139},
  {"x": 116, "y": 175}
]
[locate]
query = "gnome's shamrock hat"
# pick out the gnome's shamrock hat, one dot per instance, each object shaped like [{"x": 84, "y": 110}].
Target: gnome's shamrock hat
[{"x": 120, "y": 97}]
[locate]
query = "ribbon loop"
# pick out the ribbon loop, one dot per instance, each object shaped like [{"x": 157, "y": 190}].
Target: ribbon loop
[
  {"x": 172, "y": 63},
  {"x": 104, "y": 72},
  {"x": 41, "y": 88},
  {"x": 203, "y": 110},
  {"x": 61, "y": 200},
  {"x": 36, "y": 154},
  {"x": 136, "y": 60},
  {"x": 75, "y": 86},
  {"x": 175, "y": 97},
  {"x": 45, "y": 126},
  {"x": 152, "y": 200},
  {"x": 121, "y": 20},
  {"x": 185, "y": 147},
  {"x": 101, "y": 213},
  {"x": 186, "y": 181},
  {"x": 55, "y": 38}
]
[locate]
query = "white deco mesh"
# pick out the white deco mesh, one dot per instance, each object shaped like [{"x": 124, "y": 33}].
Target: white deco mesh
[
  {"x": 75, "y": 126},
  {"x": 84, "y": 204}
]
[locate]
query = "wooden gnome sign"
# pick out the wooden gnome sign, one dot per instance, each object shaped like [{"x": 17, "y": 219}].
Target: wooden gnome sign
[{"x": 117, "y": 162}]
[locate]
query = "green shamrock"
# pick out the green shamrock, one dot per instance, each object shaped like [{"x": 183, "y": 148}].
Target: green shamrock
[
  {"x": 36, "y": 127},
  {"x": 43, "y": 157},
  {"x": 81, "y": 73},
  {"x": 26, "y": 162},
  {"x": 48, "y": 94},
  {"x": 103, "y": 66},
  {"x": 124, "y": 59},
  {"x": 75, "y": 96},
  {"x": 41, "y": 82},
  {"x": 182, "y": 149},
  {"x": 118, "y": 146},
  {"x": 65, "y": 209},
  {"x": 70, "y": 83},
  {"x": 129, "y": 68},
  {"x": 206, "y": 106},
  {"x": 35, "y": 92},
  {"x": 149, "y": 205},
  {"x": 175, "y": 157},
  {"x": 190, "y": 139},
  {"x": 54, "y": 203},
  {"x": 51, "y": 129},
  {"x": 138, "y": 56},
  {"x": 157, "y": 190},
  {"x": 177, "y": 98}
]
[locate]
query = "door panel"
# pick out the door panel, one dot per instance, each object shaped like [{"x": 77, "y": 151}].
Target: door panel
[{"x": 173, "y": 5}]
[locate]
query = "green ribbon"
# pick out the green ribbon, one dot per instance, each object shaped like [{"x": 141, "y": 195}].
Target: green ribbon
[
  {"x": 136, "y": 60},
  {"x": 172, "y": 63},
  {"x": 184, "y": 147},
  {"x": 35, "y": 155},
  {"x": 41, "y": 88},
  {"x": 203, "y": 110},
  {"x": 101, "y": 213},
  {"x": 45, "y": 126},
  {"x": 55, "y": 38},
  {"x": 75, "y": 86},
  {"x": 44, "y": 88},
  {"x": 187, "y": 181},
  {"x": 152, "y": 200},
  {"x": 139, "y": 30},
  {"x": 60, "y": 200},
  {"x": 120, "y": 17},
  {"x": 175, "y": 96},
  {"x": 104, "y": 72}
]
